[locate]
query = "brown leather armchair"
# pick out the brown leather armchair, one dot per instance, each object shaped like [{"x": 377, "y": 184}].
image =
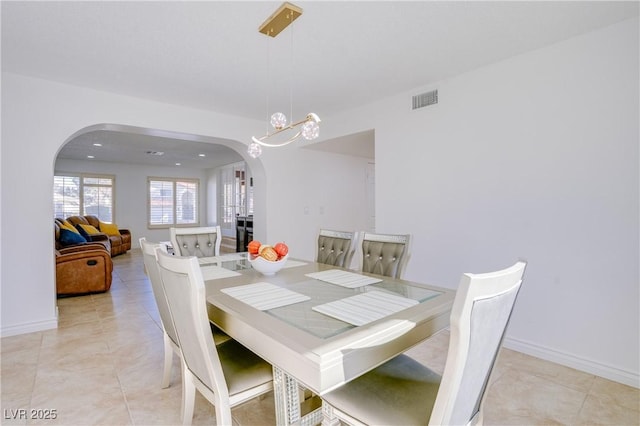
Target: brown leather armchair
[
  {"x": 82, "y": 268},
  {"x": 119, "y": 243}
]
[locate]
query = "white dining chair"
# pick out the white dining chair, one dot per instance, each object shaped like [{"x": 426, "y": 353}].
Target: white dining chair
[
  {"x": 405, "y": 392},
  {"x": 169, "y": 332},
  {"x": 385, "y": 254},
  {"x": 227, "y": 374},
  {"x": 336, "y": 247},
  {"x": 200, "y": 241}
]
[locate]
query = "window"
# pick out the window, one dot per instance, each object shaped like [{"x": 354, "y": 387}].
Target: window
[
  {"x": 84, "y": 194},
  {"x": 172, "y": 202}
]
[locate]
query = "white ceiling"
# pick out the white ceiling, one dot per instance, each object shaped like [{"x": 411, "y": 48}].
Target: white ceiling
[{"x": 209, "y": 54}]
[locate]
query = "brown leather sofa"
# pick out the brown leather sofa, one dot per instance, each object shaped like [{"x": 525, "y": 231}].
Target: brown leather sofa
[
  {"x": 82, "y": 268},
  {"x": 119, "y": 243}
]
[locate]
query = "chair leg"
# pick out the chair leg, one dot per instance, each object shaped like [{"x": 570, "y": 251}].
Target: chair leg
[
  {"x": 328, "y": 416},
  {"x": 223, "y": 412},
  {"x": 168, "y": 360},
  {"x": 188, "y": 397}
]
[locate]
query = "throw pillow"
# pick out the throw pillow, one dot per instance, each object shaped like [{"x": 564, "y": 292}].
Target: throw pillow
[
  {"x": 87, "y": 231},
  {"x": 110, "y": 229},
  {"x": 69, "y": 228},
  {"x": 68, "y": 237}
]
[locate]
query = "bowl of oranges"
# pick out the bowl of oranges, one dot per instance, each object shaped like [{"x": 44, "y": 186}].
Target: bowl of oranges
[{"x": 267, "y": 259}]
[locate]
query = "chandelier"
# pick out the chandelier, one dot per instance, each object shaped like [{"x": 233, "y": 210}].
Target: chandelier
[{"x": 308, "y": 127}]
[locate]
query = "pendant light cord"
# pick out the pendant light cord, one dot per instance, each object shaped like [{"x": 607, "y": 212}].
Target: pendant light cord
[
  {"x": 268, "y": 80},
  {"x": 291, "y": 73}
]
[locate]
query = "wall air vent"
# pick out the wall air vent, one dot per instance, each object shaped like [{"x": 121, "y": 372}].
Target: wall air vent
[{"x": 425, "y": 99}]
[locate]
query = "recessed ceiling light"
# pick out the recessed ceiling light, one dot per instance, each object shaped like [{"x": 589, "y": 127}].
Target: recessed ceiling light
[
  {"x": 178, "y": 164},
  {"x": 202, "y": 155},
  {"x": 97, "y": 144},
  {"x": 90, "y": 156}
]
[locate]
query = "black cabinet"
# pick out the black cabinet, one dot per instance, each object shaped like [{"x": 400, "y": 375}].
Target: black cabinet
[{"x": 244, "y": 232}]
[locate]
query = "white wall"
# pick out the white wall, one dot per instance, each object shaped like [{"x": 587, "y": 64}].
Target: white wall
[
  {"x": 39, "y": 116},
  {"x": 316, "y": 190},
  {"x": 534, "y": 157},
  {"x": 131, "y": 192}
]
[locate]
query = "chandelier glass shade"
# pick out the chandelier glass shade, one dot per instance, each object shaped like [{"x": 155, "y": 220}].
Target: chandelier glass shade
[{"x": 283, "y": 133}]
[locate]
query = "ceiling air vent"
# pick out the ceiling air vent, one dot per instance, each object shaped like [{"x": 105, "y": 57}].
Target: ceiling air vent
[
  {"x": 425, "y": 99},
  {"x": 155, "y": 152}
]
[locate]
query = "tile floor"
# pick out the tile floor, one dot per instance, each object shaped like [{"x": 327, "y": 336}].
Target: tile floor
[{"x": 102, "y": 366}]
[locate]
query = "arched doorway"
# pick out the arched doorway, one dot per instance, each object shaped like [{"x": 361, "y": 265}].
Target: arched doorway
[{"x": 131, "y": 152}]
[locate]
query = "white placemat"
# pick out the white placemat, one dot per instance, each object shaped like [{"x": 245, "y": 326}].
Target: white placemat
[
  {"x": 208, "y": 260},
  {"x": 214, "y": 272},
  {"x": 343, "y": 278},
  {"x": 366, "y": 307},
  {"x": 265, "y": 296},
  {"x": 293, "y": 263}
]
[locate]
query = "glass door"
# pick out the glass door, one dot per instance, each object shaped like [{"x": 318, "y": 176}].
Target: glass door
[{"x": 236, "y": 196}]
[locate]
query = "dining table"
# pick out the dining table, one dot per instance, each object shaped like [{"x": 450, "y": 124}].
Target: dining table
[{"x": 319, "y": 325}]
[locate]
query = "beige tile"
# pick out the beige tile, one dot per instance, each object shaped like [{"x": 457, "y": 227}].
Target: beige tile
[
  {"x": 604, "y": 411},
  {"x": 155, "y": 406},
  {"x": 204, "y": 412},
  {"x": 118, "y": 310},
  {"x": 506, "y": 359},
  {"x": 521, "y": 398},
  {"x": 13, "y": 414},
  {"x": 613, "y": 393},
  {"x": 90, "y": 396},
  {"x": 29, "y": 341},
  {"x": 75, "y": 310},
  {"x": 70, "y": 332},
  {"x": 18, "y": 375},
  {"x": 432, "y": 352},
  {"x": 147, "y": 357},
  {"x": 258, "y": 411},
  {"x": 556, "y": 373},
  {"x": 76, "y": 355},
  {"x": 139, "y": 286},
  {"x": 131, "y": 274},
  {"x": 128, "y": 331}
]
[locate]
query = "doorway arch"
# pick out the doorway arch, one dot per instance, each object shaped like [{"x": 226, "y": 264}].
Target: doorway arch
[{"x": 254, "y": 165}]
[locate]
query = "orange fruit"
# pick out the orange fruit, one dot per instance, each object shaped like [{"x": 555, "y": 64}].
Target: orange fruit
[
  {"x": 253, "y": 247},
  {"x": 269, "y": 254}
]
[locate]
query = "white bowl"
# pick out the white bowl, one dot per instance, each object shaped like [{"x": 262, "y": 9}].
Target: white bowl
[{"x": 267, "y": 267}]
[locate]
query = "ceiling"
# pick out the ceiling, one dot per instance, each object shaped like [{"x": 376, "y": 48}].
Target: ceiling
[
  {"x": 134, "y": 145},
  {"x": 210, "y": 55}
]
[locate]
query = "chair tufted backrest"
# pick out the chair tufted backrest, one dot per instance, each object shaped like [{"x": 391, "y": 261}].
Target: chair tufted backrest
[
  {"x": 384, "y": 254},
  {"x": 198, "y": 242},
  {"x": 335, "y": 247}
]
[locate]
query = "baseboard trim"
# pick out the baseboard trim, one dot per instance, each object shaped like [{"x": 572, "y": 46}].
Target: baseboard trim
[
  {"x": 588, "y": 366},
  {"x": 30, "y": 327}
]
